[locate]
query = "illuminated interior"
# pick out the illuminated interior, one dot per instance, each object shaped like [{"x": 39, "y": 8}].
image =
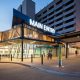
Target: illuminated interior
[{"x": 35, "y": 42}]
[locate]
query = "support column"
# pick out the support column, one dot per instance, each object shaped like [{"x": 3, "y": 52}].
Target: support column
[
  {"x": 66, "y": 50},
  {"x": 40, "y": 52},
  {"x": 22, "y": 51},
  {"x": 56, "y": 52},
  {"x": 59, "y": 55},
  {"x": 22, "y": 38}
]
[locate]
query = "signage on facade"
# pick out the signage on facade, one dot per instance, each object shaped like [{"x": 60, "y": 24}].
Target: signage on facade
[
  {"x": 41, "y": 26},
  {"x": 20, "y": 18}
]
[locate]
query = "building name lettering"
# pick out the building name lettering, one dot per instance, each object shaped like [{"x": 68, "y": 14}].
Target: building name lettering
[{"x": 41, "y": 26}]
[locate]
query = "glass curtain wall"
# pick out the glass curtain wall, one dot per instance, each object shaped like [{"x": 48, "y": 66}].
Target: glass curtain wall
[{"x": 35, "y": 42}]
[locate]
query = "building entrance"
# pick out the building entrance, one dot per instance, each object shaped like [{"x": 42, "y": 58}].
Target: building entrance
[
  {"x": 30, "y": 47},
  {"x": 71, "y": 43}
]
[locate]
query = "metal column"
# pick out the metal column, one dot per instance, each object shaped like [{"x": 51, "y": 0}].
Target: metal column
[
  {"x": 66, "y": 48},
  {"x": 59, "y": 55},
  {"x": 22, "y": 38},
  {"x": 56, "y": 52}
]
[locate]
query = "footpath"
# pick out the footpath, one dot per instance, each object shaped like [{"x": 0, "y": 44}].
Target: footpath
[{"x": 70, "y": 67}]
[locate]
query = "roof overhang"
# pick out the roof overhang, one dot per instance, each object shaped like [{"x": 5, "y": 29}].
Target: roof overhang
[
  {"x": 19, "y": 18},
  {"x": 70, "y": 37}
]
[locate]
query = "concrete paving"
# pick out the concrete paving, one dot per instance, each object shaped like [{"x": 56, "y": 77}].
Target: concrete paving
[
  {"x": 17, "y": 70},
  {"x": 10, "y": 71}
]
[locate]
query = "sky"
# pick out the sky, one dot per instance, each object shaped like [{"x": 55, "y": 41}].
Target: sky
[{"x": 6, "y": 11}]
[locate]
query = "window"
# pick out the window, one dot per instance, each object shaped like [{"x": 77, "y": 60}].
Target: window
[
  {"x": 51, "y": 22},
  {"x": 59, "y": 14},
  {"x": 71, "y": 7},
  {"x": 69, "y": 14},
  {"x": 59, "y": 19},
  {"x": 39, "y": 15},
  {"x": 44, "y": 17},
  {"x": 51, "y": 13},
  {"x": 44, "y": 37},
  {"x": 35, "y": 35},
  {"x": 44, "y": 21},
  {"x": 59, "y": 8},
  {"x": 69, "y": 20},
  {"x": 59, "y": 24},
  {"x": 59, "y": 29},
  {"x": 71, "y": 1},
  {"x": 39, "y": 20},
  {"x": 44, "y": 11},
  {"x": 59, "y": 2},
  {"x": 70, "y": 26},
  {"x": 51, "y": 7},
  {"x": 51, "y": 18}
]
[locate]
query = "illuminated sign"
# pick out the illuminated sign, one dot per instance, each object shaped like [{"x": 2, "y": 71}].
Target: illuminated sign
[
  {"x": 20, "y": 18},
  {"x": 41, "y": 26}
]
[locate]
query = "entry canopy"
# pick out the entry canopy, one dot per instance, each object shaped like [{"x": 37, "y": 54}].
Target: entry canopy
[
  {"x": 71, "y": 37},
  {"x": 19, "y": 18}
]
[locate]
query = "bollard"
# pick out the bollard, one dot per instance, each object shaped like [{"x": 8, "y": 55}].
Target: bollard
[
  {"x": 31, "y": 58},
  {"x": 42, "y": 59},
  {"x": 0, "y": 57},
  {"x": 11, "y": 57},
  {"x": 60, "y": 63}
]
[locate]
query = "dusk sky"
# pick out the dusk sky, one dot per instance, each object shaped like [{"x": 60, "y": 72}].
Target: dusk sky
[{"x": 6, "y": 11}]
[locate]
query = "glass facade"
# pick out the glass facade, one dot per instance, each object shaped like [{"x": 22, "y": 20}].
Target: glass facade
[
  {"x": 30, "y": 32},
  {"x": 35, "y": 49},
  {"x": 34, "y": 42}
]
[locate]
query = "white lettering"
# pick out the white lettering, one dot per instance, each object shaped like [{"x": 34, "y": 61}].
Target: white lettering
[
  {"x": 45, "y": 27},
  {"x": 32, "y": 22},
  {"x": 41, "y": 26},
  {"x": 52, "y": 30},
  {"x": 35, "y": 24}
]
